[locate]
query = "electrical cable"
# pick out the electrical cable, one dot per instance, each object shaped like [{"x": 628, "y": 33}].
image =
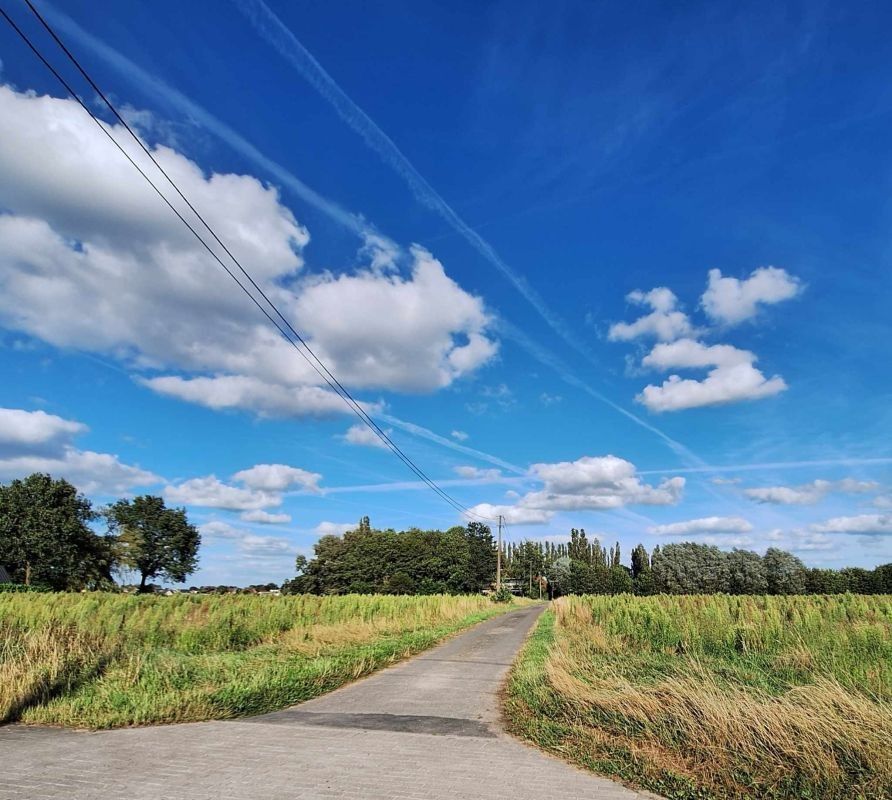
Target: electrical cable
[{"x": 307, "y": 352}]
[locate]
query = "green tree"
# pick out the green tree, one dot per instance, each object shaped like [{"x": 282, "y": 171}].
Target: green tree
[
  {"x": 785, "y": 573},
  {"x": 579, "y": 548},
  {"x": 156, "y": 541},
  {"x": 481, "y": 557},
  {"x": 746, "y": 573},
  {"x": 45, "y": 536},
  {"x": 688, "y": 568}
]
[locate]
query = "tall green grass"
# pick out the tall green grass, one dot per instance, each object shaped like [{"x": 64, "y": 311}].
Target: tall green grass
[
  {"x": 716, "y": 696},
  {"x": 103, "y": 660}
]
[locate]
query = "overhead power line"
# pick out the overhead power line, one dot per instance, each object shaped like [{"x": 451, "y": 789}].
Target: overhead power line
[{"x": 272, "y": 313}]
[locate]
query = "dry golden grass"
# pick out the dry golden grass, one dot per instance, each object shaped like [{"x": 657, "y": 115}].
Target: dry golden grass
[
  {"x": 43, "y": 663},
  {"x": 102, "y": 660},
  {"x": 802, "y": 714}
]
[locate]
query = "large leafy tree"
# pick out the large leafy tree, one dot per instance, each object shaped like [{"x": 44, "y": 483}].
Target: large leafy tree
[
  {"x": 156, "y": 541},
  {"x": 45, "y": 536},
  {"x": 785, "y": 573}
]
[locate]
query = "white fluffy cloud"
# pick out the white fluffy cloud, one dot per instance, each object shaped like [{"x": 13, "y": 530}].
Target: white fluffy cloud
[
  {"x": 34, "y": 441},
  {"x": 210, "y": 492},
  {"x": 35, "y": 431},
  {"x": 278, "y": 478},
  {"x": 866, "y": 524},
  {"x": 158, "y": 302},
  {"x": 362, "y": 435},
  {"x": 248, "y": 544},
  {"x": 732, "y": 376},
  {"x": 512, "y": 515},
  {"x": 589, "y": 483},
  {"x": 264, "y": 517},
  {"x": 459, "y": 436},
  {"x": 255, "y": 546},
  {"x": 262, "y": 487},
  {"x": 243, "y": 393},
  {"x": 731, "y": 301},
  {"x": 665, "y": 322},
  {"x": 704, "y": 525},
  {"x": 334, "y": 528},
  {"x": 808, "y": 493}
]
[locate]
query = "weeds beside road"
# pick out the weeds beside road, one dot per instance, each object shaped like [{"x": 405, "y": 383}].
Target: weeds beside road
[
  {"x": 106, "y": 660},
  {"x": 712, "y": 697}
]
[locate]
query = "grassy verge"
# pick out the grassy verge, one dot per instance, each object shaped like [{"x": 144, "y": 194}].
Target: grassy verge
[
  {"x": 715, "y": 698},
  {"x": 101, "y": 661}
]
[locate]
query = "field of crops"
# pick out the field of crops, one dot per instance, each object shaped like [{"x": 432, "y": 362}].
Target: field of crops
[
  {"x": 715, "y": 696},
  {"x": 103, "y": 660}
]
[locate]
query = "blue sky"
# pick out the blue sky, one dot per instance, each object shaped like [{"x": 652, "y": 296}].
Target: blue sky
[{"x": 624, "y": 270}]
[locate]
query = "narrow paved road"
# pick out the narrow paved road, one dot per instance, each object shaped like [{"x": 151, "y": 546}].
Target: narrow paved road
[{"x": 427, "y": 728}]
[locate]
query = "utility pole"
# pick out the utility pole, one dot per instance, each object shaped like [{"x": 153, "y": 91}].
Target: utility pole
[{"x": 499, "y": 558}]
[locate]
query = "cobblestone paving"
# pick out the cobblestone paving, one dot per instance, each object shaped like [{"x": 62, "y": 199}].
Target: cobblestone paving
[{"x": 423, "y": 729}]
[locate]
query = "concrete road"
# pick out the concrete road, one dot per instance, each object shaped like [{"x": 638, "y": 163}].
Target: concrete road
[{"x": 423, "y": 729}]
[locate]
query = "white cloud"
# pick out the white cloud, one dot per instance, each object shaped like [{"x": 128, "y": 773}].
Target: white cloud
[
  {"x": 334, "y": 528},
  {"x": 255, "y": 546},
  {"x": 719, "y": 481},
  {"x": 264, "y": 517},
  {"x": 589, "y": 483},
  {"x": 158, "y": 302},
  {"x": 362, "y": 435},
  {"x": 704, "y": 525},
  {"x": 732, "y": 378},
  {"x": 550, "y": 399},
  {"x": 459, "y": 436},
  {"x": 34, "y": 441},
  {"x": 278, "y": 478},
  {"x": 248, "y": 545},
  {"x": 217, "y": 530},
  {"x": 731, "y": 301},
  {"x": 250, "y": 394},
  {"x": 35, "y": 431},
  {"x": 883, "y": 501},
  {"x": 867, "y": 524},
  {"x": 91, "y": 472},
  {"x": 385, "y": 331},
  {"x": 213, "y": 493},
  {"x": 475, "y": 473},
  {"x": 809, "y": 493},
  {"x": 665, "y": 322},
  {"x": 513, "y": 515}
]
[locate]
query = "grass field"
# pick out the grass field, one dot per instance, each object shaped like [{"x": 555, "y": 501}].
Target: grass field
[
  {"x": 106, "y": 660},
  {"x": 715, "y": 696}
]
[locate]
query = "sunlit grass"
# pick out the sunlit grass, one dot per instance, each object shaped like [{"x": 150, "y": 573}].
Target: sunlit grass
[
  {"x": 716, "y": 697},
  {"x": 104, "y": 660}
]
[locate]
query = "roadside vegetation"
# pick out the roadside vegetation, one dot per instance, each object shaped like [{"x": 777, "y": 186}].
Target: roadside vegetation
[
  {"x": 712, "y": 697},
  {"x": 102, "y": 660}
]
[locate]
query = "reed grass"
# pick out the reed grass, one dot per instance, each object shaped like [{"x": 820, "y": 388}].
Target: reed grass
[
  {"x": 105, "y": 660},
  {"x": 716, "y": 696}
]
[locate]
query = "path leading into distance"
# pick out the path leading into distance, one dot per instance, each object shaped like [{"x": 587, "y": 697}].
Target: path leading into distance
[{"x": 424, "y": 729}]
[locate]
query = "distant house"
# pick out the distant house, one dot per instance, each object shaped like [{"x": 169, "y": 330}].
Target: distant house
[{"x": 4, "y": 575}]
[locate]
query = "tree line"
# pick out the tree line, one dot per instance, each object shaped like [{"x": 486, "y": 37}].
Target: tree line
[
  {"x": 463, "y": 559},
  {"x": 460, "y": 560},
  {"x": 47, "y": 539}
]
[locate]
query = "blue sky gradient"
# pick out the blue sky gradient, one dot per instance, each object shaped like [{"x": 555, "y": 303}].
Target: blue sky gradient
[{"x": 458, "y": 204}]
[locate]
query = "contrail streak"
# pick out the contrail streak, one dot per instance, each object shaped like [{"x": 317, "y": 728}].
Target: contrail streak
[
  {"x": 168, "y": 96},
  {"x": 549, "y": 359},
  {"x": 824, "y": 462},
  {"x": 425, "y": 433},
  {"x": 274, "y": 31}
]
